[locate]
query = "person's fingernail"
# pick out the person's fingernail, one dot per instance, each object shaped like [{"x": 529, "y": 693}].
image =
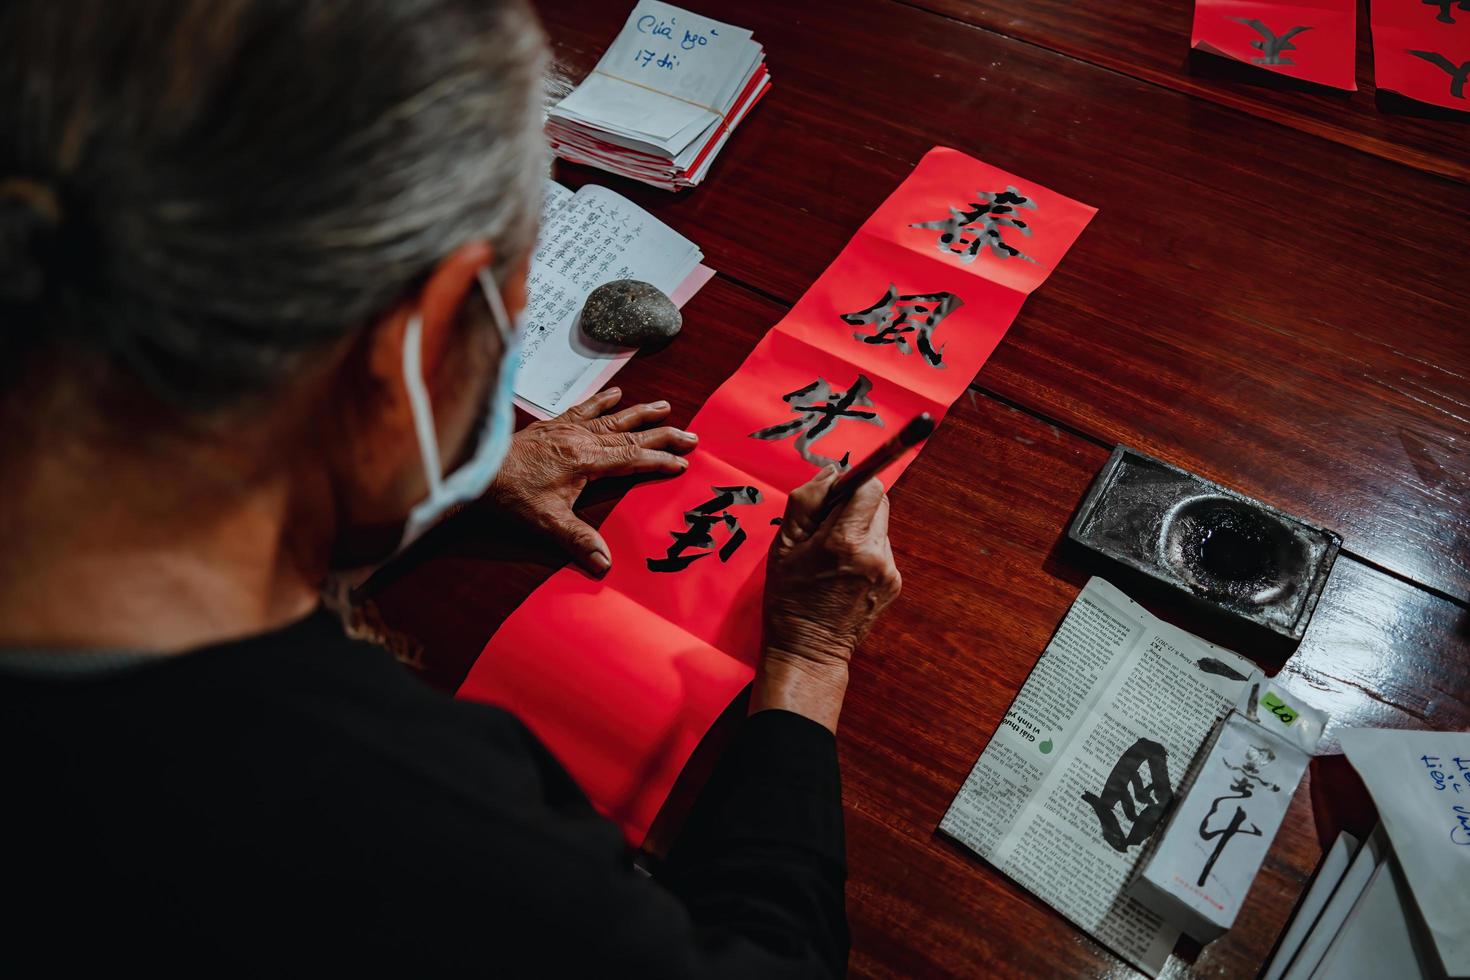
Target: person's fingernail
[
  {"x": 683, "y": 463},
  {"x": 601, "y": 562},
  {"x": 658, "y": 406},
  {"x": 613, "y": 392},
  {"x": 688, "y": 436}
]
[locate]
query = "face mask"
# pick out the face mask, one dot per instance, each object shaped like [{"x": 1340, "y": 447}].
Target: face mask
[{"x": 472, "y": 479}]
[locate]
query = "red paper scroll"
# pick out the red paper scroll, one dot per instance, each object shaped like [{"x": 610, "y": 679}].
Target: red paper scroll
[
  {"x": 1421, "y": 49},
  {"x": 622, "y": 677},
  {"x": 1314, "y": 40}
]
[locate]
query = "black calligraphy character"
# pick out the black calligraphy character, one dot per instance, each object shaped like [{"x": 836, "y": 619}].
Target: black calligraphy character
[
  {"x": 983, "y": 221},
  {"x": 1257, "y": 758},
  {"x": 896, "y": 317},
  {"x": 820, "y": 409},
  {"x": 1444, "y": 16},
  {"x": 1125, "y": 789},
  {"x": 702, "y": 521},
  {"x": 1270, "y": 45},
  {"x": 1458, "y": 74}
]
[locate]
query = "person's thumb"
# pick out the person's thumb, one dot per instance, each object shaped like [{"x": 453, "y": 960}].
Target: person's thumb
[
  {"x": 581, "y": 540},
  {"x": 799, "y": 522}
]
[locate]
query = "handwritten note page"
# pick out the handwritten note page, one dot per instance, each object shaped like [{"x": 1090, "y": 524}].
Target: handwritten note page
[
  {"x": 589, "y": 238},
  {"x": 557, "y": 197},
  {"x": 1420, "y": 782},
  {"x": 667, "y": 77},
  {"x": 663, "y": 99}
]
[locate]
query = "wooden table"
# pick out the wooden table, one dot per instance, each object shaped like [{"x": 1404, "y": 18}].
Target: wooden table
[{"x": 1273, "y": 294}]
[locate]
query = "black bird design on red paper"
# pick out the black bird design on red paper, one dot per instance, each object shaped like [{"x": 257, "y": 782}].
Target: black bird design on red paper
[
  {"x": 1444, "y": 16},
  {"x": 1270, "y": 45},
  {"x": 1458, "y": 73}
]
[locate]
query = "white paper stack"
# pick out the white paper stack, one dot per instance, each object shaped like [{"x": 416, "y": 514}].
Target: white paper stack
[{"x": 663, "y": 100}]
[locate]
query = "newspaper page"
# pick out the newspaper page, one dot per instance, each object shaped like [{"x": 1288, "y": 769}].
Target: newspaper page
[{"x": 1084, "y": 764}]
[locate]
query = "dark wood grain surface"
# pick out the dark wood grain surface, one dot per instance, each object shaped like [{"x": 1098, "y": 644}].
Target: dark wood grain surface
[
  {"x": 1272, "y": 305},
  {"x": 1252, "y": 302},
  {"x": 1142, "y": 40}
]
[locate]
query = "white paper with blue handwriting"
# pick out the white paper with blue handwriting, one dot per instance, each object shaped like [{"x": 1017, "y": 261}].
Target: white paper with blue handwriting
[
  {"x": 1420, "y": 782},
  {"x": 667, "y": 77}
]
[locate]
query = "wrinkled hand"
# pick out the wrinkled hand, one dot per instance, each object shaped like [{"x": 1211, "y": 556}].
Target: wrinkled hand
[
  {"x": 825, "y": 585},
  {"x": 550, "y": 462}
]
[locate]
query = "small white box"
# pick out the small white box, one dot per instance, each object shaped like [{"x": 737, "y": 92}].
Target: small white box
[{"x": 1200, "y": 871}]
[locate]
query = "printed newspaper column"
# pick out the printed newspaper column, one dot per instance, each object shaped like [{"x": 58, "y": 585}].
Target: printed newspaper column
[{"x": 1084, "y": 765}]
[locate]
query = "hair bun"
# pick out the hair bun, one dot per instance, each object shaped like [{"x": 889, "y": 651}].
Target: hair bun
[{"x": 30, "y": 216}]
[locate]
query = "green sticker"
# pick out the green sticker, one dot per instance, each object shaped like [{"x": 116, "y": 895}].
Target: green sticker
[
  {"x": 1045, "y": 747},
  {"x": 1283, "y": 712}
]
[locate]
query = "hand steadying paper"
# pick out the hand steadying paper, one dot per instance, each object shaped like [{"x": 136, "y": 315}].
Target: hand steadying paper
[{"x": 550, "y": 463}]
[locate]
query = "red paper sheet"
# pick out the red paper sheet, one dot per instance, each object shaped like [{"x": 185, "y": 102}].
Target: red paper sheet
[
  {"x": 622, "y": 677},
  {"x": 1421, "y": 50},
  {"x": 1314, "y": 40}
]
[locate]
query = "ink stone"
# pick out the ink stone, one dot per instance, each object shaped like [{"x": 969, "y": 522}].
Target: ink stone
[
  {"x": 630, "y": 313},
  {"x": 1232, "y": 554}
]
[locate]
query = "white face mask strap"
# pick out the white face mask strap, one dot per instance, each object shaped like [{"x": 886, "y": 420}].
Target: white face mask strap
[
  {"x": 418, "y": 401},
  {"x": 497, "y": 308}
]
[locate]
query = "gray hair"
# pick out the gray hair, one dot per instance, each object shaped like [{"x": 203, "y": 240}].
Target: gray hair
[{"x": 201, "y": 194}]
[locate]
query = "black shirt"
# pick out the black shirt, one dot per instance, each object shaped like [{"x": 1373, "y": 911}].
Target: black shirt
[{"x": 297, "y": 803}]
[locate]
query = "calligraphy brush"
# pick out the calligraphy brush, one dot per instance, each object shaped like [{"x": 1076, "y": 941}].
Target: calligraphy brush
[{"x": 916, "y": 431}]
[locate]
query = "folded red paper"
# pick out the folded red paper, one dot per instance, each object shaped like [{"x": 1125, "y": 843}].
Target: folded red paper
[
  {"x": 1313, "y": 40},
  {"x": 1421, "y": 50},
  {"x": 622, "y": 677}
]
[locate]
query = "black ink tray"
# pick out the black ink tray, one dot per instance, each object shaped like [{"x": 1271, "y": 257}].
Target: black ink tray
[{"x": 1240, "y": 556}]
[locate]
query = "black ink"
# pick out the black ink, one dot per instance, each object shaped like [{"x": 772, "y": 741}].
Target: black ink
[
  {"x": 1257, "y": 758},
  {"x": 1223, "y": 548},
  {"x": 1458, "y": 75},
  {"x": 1125, "y": 789},
  {"x": 820, "y": 408},
  {"x": 1444, "y": 16},
  {"x": 1210, "y": 665},
  {"x": 702, "y": 521},
  {"x": 983, "y": 220},
  {"x": 1270, "y": 45},
  {"x": 896, "y": 317}
]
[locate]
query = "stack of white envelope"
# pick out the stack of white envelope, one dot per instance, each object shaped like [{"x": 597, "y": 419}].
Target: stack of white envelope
[{"x": 663, "y": 100}]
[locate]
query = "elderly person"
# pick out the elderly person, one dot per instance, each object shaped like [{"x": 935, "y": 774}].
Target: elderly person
[{"x": 244, "y": 347}]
